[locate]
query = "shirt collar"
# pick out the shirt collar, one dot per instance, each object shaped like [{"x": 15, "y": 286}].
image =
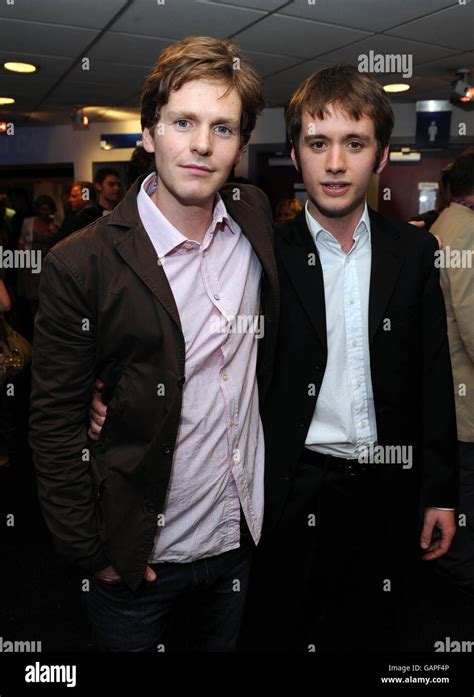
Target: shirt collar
[
  {"x": 361, "y": 232},
  {"x": 165, "y": 236}
]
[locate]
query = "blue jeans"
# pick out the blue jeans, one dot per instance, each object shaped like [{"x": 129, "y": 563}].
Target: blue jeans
[{"x": 206, "y": 597}]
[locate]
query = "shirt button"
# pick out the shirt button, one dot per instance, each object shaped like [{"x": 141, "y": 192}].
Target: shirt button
[
  {"x": 363, "y": 423},
  {"x": 225, "y": 376},
  {"x": 216, "y": 296},
  {"x": 351, "y": 301},
  {"x": 354, "y": 343},
  {"x": 232, "y": 422},
  {"x": 188, "y": 245}
]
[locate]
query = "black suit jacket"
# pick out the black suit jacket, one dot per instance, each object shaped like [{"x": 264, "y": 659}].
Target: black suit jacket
[{"x": 410, "y": 364}]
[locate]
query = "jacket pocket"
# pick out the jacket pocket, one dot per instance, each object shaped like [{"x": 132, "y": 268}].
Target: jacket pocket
[{"x": 114, "y": 409}]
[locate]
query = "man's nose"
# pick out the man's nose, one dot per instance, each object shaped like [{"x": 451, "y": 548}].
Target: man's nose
[
  {"x": 201, "y": 141},
  {"x": 336, "y": 159}
]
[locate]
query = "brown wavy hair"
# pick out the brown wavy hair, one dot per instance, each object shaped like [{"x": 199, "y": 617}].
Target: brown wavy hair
[
  {"x": 354, "y": 92},
  {"x": 203, "y": 58}
]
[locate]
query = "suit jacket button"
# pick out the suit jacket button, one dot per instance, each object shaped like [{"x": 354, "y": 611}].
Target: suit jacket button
[
  {"x": 319, "y": 367},
  {"x": 150, "y": 507},
  {"x": 181, "y": 381},
  {"x": 166, "y": 448}
]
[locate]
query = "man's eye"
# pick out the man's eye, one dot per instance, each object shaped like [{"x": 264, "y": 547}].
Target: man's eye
[
  {"x": 354, "y": 145},
  {"x": 224, "y": 130},
  {"x": 317, "y": 144},
  {"x": 182, "y": 123}
]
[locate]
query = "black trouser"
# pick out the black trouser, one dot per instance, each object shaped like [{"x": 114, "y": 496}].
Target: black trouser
[
  {"x": 329, "y": 576},
  {"x": 458, "y": 563}
]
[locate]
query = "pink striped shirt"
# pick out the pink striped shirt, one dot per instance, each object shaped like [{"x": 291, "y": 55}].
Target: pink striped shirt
[{"x": 218, "y": 460}]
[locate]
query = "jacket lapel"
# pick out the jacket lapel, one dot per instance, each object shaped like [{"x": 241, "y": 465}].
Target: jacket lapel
[
  {"x": 135, "y": 247},
  {"x": 252, "y": 221},
  {"x": 386, "y": 264},
  {"x": 301, "y": 260}
]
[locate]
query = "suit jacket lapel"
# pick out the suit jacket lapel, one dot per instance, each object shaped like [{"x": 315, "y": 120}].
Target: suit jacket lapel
[
  {"x": 252, "y": 221},
  {"x": 135, "y": 247},
  {"x": 296, "y": 246},
  {"x": 386, "y": 263}
]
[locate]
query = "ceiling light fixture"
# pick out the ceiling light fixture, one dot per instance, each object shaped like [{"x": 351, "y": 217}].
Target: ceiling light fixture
[
  {"x": 15, "y": 67},
  {"x": 397, "y": 87}
]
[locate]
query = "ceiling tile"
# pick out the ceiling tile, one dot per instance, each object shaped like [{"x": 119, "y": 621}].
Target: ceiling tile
[
  {"x": 266, "y": 63},
  {"x": 179, "y": 18},
  {"x": 453, "y": 28},
  {"x": 296, "y": 37},
  {"x": 84, "y": 13},
  {"x": 139, "y": 50},
  {"x": 48, "y": 39},
  {"x": 105, "y": 73},
  {"x": 387, "y": 45},
  {"x": 87, "y": 94},
  {"x": 448, "y": 66},
  {"x": 268, "y": 5},
  {"x": 371, "y": 15},
  {"x": 296, "y": 74}
]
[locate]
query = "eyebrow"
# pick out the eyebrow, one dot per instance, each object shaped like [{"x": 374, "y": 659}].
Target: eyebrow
[
  {"x": 190, "y": 115},
  {"x": 349, "y": 136}
]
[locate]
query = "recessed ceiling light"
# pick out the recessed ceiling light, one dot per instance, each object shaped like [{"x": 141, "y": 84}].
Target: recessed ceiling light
[
  {"x": 20, "y": 67},
  {"x": 6, "y": 100},
  {"x": 400, "y": 87}
]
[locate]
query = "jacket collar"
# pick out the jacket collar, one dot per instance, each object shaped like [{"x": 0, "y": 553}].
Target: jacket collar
[
  {"x": 296, "y": 244},
  {"x": 135, "y": 247}
]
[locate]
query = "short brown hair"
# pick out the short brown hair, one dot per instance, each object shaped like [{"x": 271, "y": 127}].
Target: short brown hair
[
  {"x": 203, "y": 58},
  {"x": 356, "y": 93}
]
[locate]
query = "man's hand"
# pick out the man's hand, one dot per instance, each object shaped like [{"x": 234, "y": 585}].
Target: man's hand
[
  {"x": 438, "y": 531},
  {"x": 417, "y": 223},
  {"x": 97, "y": 413},
  {"x": 111, "y": 576}
]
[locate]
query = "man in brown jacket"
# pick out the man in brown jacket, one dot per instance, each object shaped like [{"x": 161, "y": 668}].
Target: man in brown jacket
[{"x": 163, "y": 299}]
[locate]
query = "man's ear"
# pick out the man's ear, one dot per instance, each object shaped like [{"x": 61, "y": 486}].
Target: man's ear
[
  {"x": 238, "y": 157},
  {"x": 294, "y": 158},
  {"x": 148, "y": 141},
  {"x": 383, "y": 161}
]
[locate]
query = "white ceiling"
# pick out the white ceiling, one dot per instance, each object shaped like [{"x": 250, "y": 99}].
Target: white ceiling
[{"x": 286, "y": 41}]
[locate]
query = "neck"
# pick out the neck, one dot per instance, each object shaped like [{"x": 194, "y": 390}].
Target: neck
[
  {"x": 191, "y": 221},
  {"x": 342, "y": 228},
  {"x": 105, "y": 203}
]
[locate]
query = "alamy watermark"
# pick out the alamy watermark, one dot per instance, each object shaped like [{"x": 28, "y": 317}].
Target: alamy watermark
[
  {"x": 387, "y": 455},
  {"x": 448, "y": 258},
  {"x": 239, "y": 324},
  {"x": 391, "y": 63},
  {"x": 21, "y": 259},
  {"x": 19, "y": 646}
]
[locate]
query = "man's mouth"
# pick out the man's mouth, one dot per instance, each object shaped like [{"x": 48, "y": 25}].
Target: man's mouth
[
  {"x": 199, "y": 168},
  {"x": 335, "y": 188}
]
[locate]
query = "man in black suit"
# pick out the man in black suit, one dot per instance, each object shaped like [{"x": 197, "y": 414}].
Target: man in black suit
[{"x": 359, "y": 422}]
